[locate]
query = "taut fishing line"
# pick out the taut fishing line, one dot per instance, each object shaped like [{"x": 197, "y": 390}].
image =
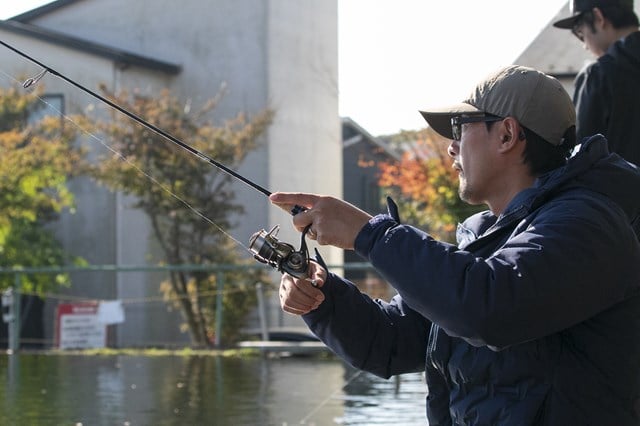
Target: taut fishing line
[
  {"x": 29, "y": 82},
  {"x": 330, "y": 397},
  {"x": 264, "y": 246},
  {"x": 45, "y": 69}
]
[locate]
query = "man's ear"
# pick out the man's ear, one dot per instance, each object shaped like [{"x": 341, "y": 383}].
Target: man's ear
[
  {"x": 598, "y": 18},
  {"x": 510, "y": 134}
]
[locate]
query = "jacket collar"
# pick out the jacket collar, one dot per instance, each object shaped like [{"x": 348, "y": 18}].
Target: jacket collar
[{"x": 546, "y": 186}]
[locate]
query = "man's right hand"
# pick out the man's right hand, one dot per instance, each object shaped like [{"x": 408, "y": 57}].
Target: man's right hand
[
  {"x": 331, "y": 221},
  {"x": 300, "y": 296}
]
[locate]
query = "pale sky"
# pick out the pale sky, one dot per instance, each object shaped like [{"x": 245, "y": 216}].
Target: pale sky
[{"x": 398, "y": 56}]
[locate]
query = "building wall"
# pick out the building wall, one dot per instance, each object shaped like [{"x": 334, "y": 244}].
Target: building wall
[
  {"x": 277, "y": 53},
  {"x": 103, "y": 230}
]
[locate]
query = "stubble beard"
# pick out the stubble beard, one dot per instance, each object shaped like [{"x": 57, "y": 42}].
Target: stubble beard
[{"x": 463, "y": 190}]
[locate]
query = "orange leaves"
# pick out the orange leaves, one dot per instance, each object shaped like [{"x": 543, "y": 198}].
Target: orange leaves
[
  {"x": 424, "y": 165},
  {"x": 35, "y": 159},
  {"x": 426, "y": 184}
]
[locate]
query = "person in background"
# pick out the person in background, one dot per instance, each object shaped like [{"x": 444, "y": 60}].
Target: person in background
[
  {"x": 533, "y": 318},
  {"x": 607, "y": 92}
]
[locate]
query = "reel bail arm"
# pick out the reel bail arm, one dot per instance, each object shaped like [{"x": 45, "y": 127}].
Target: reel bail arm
[{"x": 266, "y": 248}]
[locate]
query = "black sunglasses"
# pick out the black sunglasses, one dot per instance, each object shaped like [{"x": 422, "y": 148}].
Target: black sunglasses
[{"x": 458, "y": 121}]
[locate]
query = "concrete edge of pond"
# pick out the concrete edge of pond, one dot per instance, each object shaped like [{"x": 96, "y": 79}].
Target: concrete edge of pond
[
  {"x": 297, "y": 348},
  {"x": 244, "y": 348}
]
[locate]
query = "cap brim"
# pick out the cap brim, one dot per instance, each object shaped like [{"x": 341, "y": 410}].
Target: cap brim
[
  {"x": 567, "y": 23},
  {"x": 439, "y": 119}
]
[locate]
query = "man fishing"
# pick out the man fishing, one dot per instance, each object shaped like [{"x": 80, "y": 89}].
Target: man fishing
[{"x": 534, "y": 316}]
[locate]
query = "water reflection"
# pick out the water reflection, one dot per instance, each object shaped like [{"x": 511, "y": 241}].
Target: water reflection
[
  {"x": 369, "y": 400},
  {"x": 171, "y": 390}
]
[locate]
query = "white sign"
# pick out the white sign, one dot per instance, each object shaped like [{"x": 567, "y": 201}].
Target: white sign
[
  {"x": 111, "y": 312},
  {"x": 79, "y": 326}
]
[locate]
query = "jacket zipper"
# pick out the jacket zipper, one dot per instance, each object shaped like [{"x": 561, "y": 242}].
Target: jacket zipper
[{"x": 431, "y": 346}]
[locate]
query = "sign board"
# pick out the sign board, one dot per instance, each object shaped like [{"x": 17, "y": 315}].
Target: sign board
[
  {"x": 7, "y": 305},
  {"x": 79, "y": 326}
]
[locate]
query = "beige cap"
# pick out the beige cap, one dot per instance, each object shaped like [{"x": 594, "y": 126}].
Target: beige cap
[{"x": 536, "y": 100}]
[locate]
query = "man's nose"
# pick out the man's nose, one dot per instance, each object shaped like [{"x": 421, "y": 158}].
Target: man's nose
[{"x": 454, "y": 148}]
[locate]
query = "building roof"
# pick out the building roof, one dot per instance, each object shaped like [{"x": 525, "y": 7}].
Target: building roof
[
  {"x": 557, "y": 52},
  {"x": 122, "y": 57},
  {"x": 554, "y": 51},
  {"x": 359, "y": 134},
  {"x": 43, "y": 10}
]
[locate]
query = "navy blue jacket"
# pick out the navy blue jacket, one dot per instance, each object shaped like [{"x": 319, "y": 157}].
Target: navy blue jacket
[
  {"x": 534, "y": 318},
  {"x": 607, "y": 98}
]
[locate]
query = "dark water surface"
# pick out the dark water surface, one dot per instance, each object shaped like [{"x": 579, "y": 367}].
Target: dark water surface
[{"x": 201, "y": 390}]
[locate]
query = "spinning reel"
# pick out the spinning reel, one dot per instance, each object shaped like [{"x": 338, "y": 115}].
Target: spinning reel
[{"x": 266, "y": 248}]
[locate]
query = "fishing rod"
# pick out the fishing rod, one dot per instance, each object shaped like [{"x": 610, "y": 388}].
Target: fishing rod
[
  {"x": 264, "y": 246},
  {"x": 46, "y": 69}
]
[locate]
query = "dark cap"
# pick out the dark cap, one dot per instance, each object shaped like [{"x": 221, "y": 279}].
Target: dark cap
[
  {"x": 578, "y": 7},
  {"x": 536, "y": 100}
]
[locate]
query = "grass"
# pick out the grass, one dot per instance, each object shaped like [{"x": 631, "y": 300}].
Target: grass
[{"x": 150, "y": 352}]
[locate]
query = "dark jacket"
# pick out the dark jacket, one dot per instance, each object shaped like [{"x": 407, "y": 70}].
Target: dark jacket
[
  {"x": 534, "y": 318},
  {"x": 607, "y": 98}
]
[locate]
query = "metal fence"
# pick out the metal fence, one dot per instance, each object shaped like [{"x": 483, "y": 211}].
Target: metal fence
[{"x": 140, "y": 305}]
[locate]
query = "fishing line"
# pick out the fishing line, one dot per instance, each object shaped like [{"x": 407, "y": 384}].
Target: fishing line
[
  {"x": 46, "y": 69},
  {"x": 29, "y": 82},
  {"x": 330, "y": 397},
  {"x": 268, "y": 254}
]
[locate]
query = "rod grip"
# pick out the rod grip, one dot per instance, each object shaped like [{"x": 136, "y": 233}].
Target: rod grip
[{"x": 297, "y": 209}]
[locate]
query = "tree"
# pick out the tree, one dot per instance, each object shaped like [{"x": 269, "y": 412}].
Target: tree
[
  {"x": 36, "y": 161},
  {"x": 185, "y": 237},
  {"x": 425, "y": 184}
]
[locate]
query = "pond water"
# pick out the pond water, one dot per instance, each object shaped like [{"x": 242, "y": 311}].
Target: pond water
[{"x": 202, "y": 390}]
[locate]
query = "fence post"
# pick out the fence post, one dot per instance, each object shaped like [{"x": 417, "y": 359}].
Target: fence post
[
  {"x": 262, "y": 312},
  {"x": 14, "y": 326},
  {"x": 219, "y": 308}
]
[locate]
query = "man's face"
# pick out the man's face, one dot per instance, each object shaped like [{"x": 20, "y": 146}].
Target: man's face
[
  {"x": 472, "y": 158},
  {"x": 593, "y": 40}
]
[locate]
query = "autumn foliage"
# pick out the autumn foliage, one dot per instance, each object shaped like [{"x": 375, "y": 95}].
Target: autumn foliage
[
  {"x": 425, "y": 185},
  {"x": 37, "y": 158},
  {"x": 188, "y": 201}
]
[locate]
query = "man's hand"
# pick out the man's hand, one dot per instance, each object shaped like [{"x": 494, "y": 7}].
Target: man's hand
[
  {"x": 302, "y": 295},
  {"x": 333, "y": 221}
]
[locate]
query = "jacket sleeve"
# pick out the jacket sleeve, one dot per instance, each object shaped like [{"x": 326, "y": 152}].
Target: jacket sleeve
[
  {"x": 567, "y": 264},
  {"x": 593, "y": 100},
  {"x": 379, "y": 337}
]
